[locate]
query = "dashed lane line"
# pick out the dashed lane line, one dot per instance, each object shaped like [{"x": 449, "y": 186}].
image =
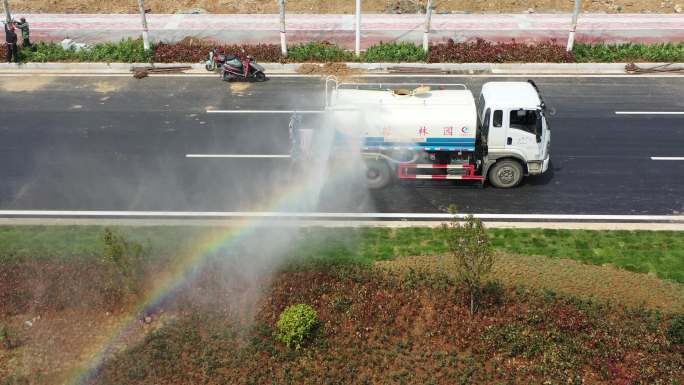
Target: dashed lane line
[
  {"x": 262, "y": 156},
  {"x": 649, "y": 112}
]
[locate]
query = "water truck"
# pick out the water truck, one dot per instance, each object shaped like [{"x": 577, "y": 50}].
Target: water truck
[{"x": 435, "y": 131}]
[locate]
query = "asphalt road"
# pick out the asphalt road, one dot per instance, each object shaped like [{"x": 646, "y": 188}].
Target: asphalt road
[{"x": 117, "y": 143}]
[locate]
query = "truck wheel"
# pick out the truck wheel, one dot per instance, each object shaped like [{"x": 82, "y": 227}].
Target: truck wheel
[
  {"x": 506, "y": 174},
  {"x": 378, "y": 174}
]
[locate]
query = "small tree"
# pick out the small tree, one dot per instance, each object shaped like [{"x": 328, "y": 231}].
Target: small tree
[
  {"x": 125, "y": 263},
  {"x": 471, "y": 253}
]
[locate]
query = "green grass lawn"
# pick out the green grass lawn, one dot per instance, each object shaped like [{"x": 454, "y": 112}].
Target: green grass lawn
[{"x": 660, "y": 252}]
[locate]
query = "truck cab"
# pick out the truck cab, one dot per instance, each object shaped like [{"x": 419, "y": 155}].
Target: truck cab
[{"x": 514, "y": 132}]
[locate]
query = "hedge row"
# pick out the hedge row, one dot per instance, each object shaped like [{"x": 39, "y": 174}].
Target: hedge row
[
  {"x": 480, "y": 51},
  {"x": 125, "y": 51}
]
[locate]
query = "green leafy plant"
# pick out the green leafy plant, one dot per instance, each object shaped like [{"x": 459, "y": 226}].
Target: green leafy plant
[
  {"x": 296, "y": 324},
  {"x": 318, "y": 52},
  {"x": 471, "y": 253},
  {"x": 629, "y": 52},
  {"x": 394, "y": 52},
  {"x": 676, "y": 330},
  {"x": 124, "y": 51}
]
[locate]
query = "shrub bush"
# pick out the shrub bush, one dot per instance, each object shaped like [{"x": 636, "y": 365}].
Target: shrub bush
[
  {"x": 318, "y": 51},
  {"x": 482, "y": 51},
  {"x": 296, "y": 324},
  {"x": 125, "y": 51},
  {"x": 194, "y": 51},
  {"x": 610, "y": 53},
  {"x": 676, "y": 330},
  {"x": 394, "y": 53}
]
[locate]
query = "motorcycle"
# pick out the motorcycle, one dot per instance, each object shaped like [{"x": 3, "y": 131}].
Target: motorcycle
[
  {"x": 216, "y": 60},
  {"x": 234, "y": 68}
]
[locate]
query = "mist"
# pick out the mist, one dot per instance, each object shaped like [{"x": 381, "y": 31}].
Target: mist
[{"x": 93, "y": 158}]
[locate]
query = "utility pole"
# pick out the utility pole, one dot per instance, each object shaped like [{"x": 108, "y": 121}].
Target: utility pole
[
  {"x": 426, "y": 32},
  {"x": 283, "y": 38},
  {"x": 145, "y": 34},
  {"x": 8, "y": 15},
  {"x": 573, "y": 25},
  {"x": 357, "y": 45}
]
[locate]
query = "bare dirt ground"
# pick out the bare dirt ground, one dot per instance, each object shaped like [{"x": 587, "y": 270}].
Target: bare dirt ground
[
  {"x": 367, "y": 319},
  {"x": 336, "y": 6},
  {"x": 598, "y": 283}
]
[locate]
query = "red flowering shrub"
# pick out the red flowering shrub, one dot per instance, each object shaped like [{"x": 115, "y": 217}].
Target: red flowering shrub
[
  {"x": 192, "y": 51},
  {"x": 481, "y": 51}
]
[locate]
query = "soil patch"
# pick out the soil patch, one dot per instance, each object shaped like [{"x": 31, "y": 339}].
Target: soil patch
[
  {"x": 569, "y": 277},
  {"x": 340, "y": 70},
  {"x": 106, "y": 87},
  {"x": 239, "y": 88},
  {"x": 377, "y": 326},
  {"x": 25, "y": 84}
]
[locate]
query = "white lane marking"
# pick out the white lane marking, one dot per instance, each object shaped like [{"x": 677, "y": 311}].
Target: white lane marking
[
  {"x": 234, "y": 156},
  {"x": 264, "y": 112},
  {"x": 323, "y": 215},
  {"x": 667, "y": 158},
  {"x": 649, "y": 112}
]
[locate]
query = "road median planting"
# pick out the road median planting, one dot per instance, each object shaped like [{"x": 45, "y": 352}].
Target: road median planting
[{"x": 480, "y": 51}]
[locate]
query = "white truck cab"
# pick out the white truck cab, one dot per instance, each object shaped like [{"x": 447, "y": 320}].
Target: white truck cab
[{"x": 514, "y": 132}]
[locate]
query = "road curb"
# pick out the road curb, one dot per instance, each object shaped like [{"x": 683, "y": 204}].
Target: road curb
[
  {"x": 373, "y": 68},
  {"x": 138, "y": 222}
]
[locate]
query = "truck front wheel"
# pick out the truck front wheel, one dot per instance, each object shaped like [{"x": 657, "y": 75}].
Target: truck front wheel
[
  {"x": 378, "y": 174},
  {"x": 506, "y": 174}
]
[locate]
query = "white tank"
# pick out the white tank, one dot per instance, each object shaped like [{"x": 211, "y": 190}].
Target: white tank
[{"x": 421, "y": 119}]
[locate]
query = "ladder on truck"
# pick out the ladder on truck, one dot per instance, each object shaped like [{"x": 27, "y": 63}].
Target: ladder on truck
[{"x": 468, "y": 171}]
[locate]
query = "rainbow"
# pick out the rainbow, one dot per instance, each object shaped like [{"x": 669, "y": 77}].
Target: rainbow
[{"x": 165, "y": 286}]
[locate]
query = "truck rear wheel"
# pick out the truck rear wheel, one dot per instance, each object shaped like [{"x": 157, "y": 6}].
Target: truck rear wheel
[
  {"x": 506, "y": 174},
  {"x": 378, "y": 174}
]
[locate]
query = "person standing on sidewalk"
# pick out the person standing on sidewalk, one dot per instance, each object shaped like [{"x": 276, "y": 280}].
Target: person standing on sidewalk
[
  {"x": 25, "y": 33},
  {"x": 11, "y": 40}
]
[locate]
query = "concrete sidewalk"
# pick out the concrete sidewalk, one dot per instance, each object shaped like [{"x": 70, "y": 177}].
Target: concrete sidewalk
[{"x": 242, "y": 28}]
